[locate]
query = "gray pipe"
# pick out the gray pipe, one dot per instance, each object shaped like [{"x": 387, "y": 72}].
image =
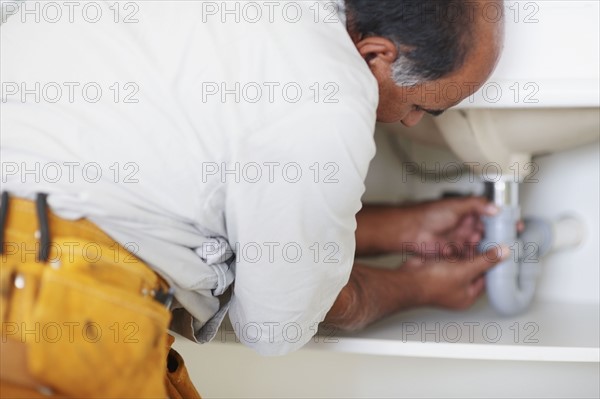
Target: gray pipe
[{"x": 511, "y": 284}]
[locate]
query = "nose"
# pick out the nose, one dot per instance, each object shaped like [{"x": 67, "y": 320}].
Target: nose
[{"x": 413, "y": 118}]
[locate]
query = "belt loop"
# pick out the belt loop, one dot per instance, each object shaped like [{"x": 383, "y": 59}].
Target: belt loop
[
  {"x": 41, "y": 206},
  {"x": 3, "y": 217}
]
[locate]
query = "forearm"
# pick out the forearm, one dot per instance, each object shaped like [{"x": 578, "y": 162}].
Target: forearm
[
  {"x": 371, "y": 294},
  {"x": 383, "y": 229}
]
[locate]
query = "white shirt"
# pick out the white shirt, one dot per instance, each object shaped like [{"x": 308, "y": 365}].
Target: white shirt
[{"x": 188, "y": 136}]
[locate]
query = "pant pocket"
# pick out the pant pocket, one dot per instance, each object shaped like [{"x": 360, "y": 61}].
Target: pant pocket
[{"x": 97, "y": 340}]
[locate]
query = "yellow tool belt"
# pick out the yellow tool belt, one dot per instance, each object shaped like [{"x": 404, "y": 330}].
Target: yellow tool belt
[{"x": 81, "y": 316}]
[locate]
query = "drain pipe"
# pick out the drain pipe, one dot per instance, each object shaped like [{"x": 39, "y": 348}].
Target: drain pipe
[{"x": 511, "y": 284}]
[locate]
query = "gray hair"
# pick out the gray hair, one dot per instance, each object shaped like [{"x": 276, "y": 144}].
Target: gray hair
[
  {"x": 435, "y": 34},
  {"x": 405, "y": 72}
]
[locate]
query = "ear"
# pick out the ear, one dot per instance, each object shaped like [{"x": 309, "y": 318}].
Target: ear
[{"x": 377, "y": 51}]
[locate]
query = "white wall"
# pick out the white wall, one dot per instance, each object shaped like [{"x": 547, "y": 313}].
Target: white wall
[{"x": 553, "y": 44}]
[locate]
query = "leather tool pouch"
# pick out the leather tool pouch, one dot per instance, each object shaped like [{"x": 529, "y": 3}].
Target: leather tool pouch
[{"x": 96, "y": 334}]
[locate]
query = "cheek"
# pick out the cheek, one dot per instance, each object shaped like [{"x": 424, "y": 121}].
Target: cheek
[
  {"x": 401, "y": 111},
  {"x": 401, "y": 104},
  {"x": 389, "y": 116},
  {"x": 393, "y": 104},
  {"x": 392, "y": 112}
]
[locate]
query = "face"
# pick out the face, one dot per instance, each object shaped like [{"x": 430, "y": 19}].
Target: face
[{"x": 409, "y": 104}]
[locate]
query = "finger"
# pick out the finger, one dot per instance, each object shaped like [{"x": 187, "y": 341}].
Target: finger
[
  {"x": 449, "y": 249},
  {"x": 475, "y": 237},
  {"x": 461, "y": 234},
  {"x": 467, "y": 232},
  {"x": 483, "y": 262},
  {"x": 465, "y": 227},
  {"x": 520, "y": 226},
  {"x": 469, "y": 221},
  {"x": 476, "y": 287},
  {"x": 480, "y": 227},
  {"x": 478, "y": 205}
]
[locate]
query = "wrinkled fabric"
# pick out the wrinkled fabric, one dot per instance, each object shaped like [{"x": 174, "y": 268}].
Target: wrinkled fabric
[{"x": 169, "y": 167}]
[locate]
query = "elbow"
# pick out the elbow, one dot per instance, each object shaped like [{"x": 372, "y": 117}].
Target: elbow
[{"x": 351, "y": 310}]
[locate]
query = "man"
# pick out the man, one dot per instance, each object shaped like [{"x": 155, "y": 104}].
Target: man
[
  {"x": 224, "y": 145},
  {"x": 448, "y": 59}
]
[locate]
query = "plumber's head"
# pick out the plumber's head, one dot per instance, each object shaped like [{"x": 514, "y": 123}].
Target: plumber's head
[{"x": 427, "y": 55}]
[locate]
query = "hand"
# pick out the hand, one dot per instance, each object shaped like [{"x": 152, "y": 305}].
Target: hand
[
  {"x": 445, "y": 227},
  {"x": 452, "y": 284},
  {"x": 373, "y": 293},
  {"x": 450, "y": 226}
]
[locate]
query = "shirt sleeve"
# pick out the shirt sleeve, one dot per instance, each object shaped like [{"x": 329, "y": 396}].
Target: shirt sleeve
[{"x": 293, "y": 191}]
